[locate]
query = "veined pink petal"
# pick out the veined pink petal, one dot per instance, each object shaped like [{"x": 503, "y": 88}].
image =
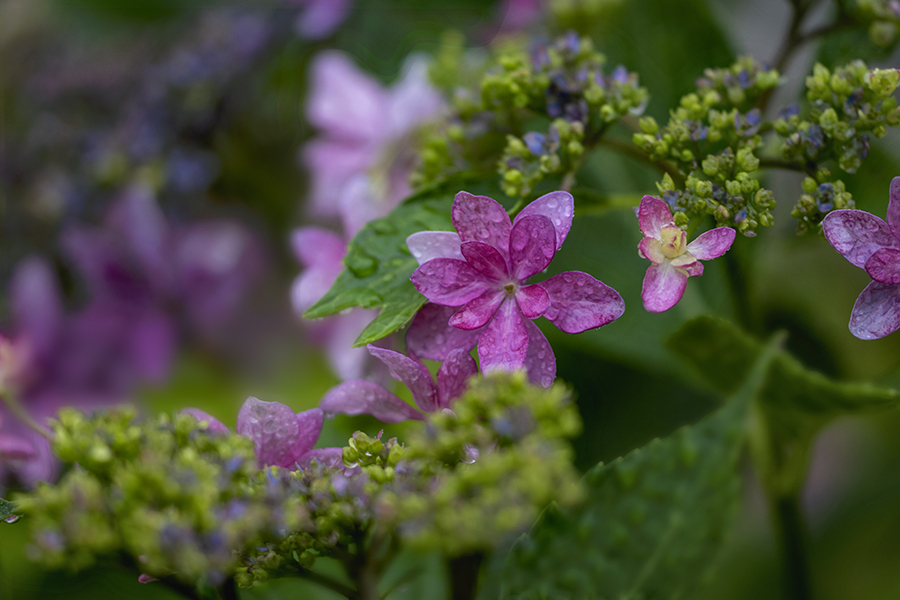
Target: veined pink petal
[
  {"x": 692, "y": 268},
  {"x": 450, "y": 282},
  {"x": 453, "y": 376},
  {"x": 327, "y": 457},
  {"x": 539, "y": 361},
  {"x": 712, "y": 244},
  {"x": 663, "y": 287},
  {"x": 426, "y": 245},
  {"x": 478, "y": 312},
  {"x": 857, "y": 234},
  {"x": 533, "y": 300},
  {"x": 481, "y": 219},
  {"x": 532, "y": 244},
  {"x": 652, "y": 215},
  {"x": 361, "y": 397},
  {"x": 893, "y": 210},
  {"x": 579, "y": 302},
  {"x": 504, "y": 343},
  {"x": 651, "y": 249},
  {"x": 431, "y": 336},
  {"x": 213, "y": 425},
  {"x": 309, "y": 426},
  {"x": 876, "y": 312},
  {"x": 412, "y": 373},
  {"x": 345, "y": 102},
  {"x": 485, "y": 259},
  {"x": 272, "y": 426},
  {"x": 884, "y": 266},
  {"x": 559, "y": 207}
]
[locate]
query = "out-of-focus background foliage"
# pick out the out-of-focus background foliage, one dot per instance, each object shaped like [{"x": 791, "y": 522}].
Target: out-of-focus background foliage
[{"x": 210, "y": 96}]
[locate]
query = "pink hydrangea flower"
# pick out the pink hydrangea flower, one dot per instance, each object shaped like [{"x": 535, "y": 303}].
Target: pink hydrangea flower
[
  {"x": 871, "y": 244},
  {"x": 674, "y": 260},
  {"x": 364, "y": 397},
  {"x": 482, "y": 272}
]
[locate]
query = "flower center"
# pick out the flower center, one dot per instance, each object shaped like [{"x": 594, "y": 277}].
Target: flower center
[
  {"x": 510, "y": 289},
  {"x": 673, "y": 241}
]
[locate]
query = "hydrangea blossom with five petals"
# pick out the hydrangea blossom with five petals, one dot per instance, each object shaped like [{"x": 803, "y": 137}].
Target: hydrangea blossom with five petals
[
  {"x": 482, "y": 272},
  {"x": 871, "y": 244},
  {"x": 674, "y": 260}
]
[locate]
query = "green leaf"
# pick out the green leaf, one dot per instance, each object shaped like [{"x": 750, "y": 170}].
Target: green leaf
[{"x": 8, "y": 511}]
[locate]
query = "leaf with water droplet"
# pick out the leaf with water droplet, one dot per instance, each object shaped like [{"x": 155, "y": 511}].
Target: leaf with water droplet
[{"x": 8, "y": 511}]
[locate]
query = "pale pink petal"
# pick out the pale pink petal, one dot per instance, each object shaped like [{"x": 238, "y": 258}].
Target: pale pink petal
[
  {"x": 504, "y": 343},
  {"x": 331, "y": 164},
  {"x": 712, "y": 244},
  {"x": 857, "y": 234},
  {"x": 692, "y": 268},
  {"x": 485, "y": 259},
  {"x": 412, "y": 373},
  {"x": 453, "y": 376},
  {"x": 413, "y": 100},
  {"x": 652, "y": 215},
  {"x": 212, "y": 424},
  {"x": 360, "y": 203},
  {"x": 319, "y": 248},
  {"x": 426, "y": 245},
  {"x": 540, "y": 363},
  {"x": 663, "y": 287},
  {"x": 533, "y": 300},
  {"x": 309, "y": 426},
  {"x": 893, "y": 210},
  {"x": 579, "y": 302},
  {"x": 346, "y": 361},
  {"x": 478, "y": 312},
  {"x": 361, "y": 397},
  {"x": 876, "y": 312},
  {"x": 272, "y": 426},
  {"x": 327, "y": 457},
  {"x": 481, "y": 219},
  {"x": 450, "y": 282},
  {"x": 884, "y": 266},
  {"x": 532, "y": 244},
  {"x": 651, "y": 249},
  {"x": 319, "y": 18},
  {"x": 431, "y": 336},
  {"x": 559, "y": 207}
]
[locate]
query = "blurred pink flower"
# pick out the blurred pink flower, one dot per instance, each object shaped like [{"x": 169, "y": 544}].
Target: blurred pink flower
[{"x": 320, "y": 18}]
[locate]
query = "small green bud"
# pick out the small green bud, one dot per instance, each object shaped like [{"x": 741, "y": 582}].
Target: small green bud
[{"x": 648, "y": 125}]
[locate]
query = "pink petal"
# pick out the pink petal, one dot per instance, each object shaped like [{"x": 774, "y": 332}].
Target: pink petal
[
  {"x": 579, "y": 302},
  {"x": 533, "y": 300},
  {"x": 327, "y": 457},
  {"x": 540, "y": 361},
  {"x": 481, "y": 219},
  {"x": 431, "y": 336},
  {"x": 360, "y": 397},
  {"x": 450, "y": 282},
  {"x": 453, "y": 376},
  {"x": 412, "y": 373},
  {"x": 884, "y": 266},
  {"x": 272, "y": 426},
  {"x": 876, "y": 312},
  {"x": 532, "y": 244},
  {"x": 857, "y": 234},
  {"x": 559, "y": 207},
  {"x": 342, "y": 331},
  {"x": 485, "y": 259},
  {"x": 893, "y": 210},
  {"x": 663, "y": 287},
  {"x": 652, "y": 215},
  {"x": 478, "y": 312},
  {"x": 360, "y": 203},
  {"x": 331, "y": 164},
  {"x": 213, "y": 425},
  {"x": 504, "y": 343},
  {"x": 426, "y": 245},
  {"x": 413, "y": 100},
  {"x": 145, "y": 578},
  {"x": 712, "y": 244},
  {"x": 309, "y": 426},
  {"x": 322, "y": 253},
  {"x": 344, "y": 101},
  {"x": 651, "y": 249}
]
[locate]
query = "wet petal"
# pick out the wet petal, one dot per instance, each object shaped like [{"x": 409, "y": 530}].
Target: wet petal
[
  {"x": 539, "y": 361},
  {"x": 651, "y": 249},
  {"x": 327, "y": 457},
  {"x": 213, "y": 425},
  {"x": 431, "y": 336},
  {"x": 504, "y": 343},
  {"x": 450, "y": 282},
  {"x": 692, "y": 268},
  {"x": 272, "y": 426},
  {"x": 532, "y": 244},
  {"x": 426, "y": 245},
  {"x": 653, "y": 213},
  {"x": 533, "y": 300},
  {"x": 876, "y": 312},
  {"x": 478, "y": 312},
  {"x": 712, "y": 244},
  {"x": 453, "y": 376},
  {"x": 481, "y": 219},
  {"x": 579, "y": 302},
  {"x": 412, "y": 373},
  {"x": 893, "y": 210},
  {"x": 884, "y": 266},
  {"x": 663, "y": 287},
  {"x": 559, "y": 207},
  {"x": 485, "y": 259},
  {"x": 857, "y": 234},
  {"x": 309, "y": 426},
  {"x": 360, "y": 397}
]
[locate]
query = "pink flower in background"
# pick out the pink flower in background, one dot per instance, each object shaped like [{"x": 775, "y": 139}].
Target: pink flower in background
[
  {"x": 320, "y": 18},
  {"x": 674, "y": 260},
  {"x": 364, "y": 397},
  {"x": 871, "y": 244},
  {"x": 483, "y": 269}
]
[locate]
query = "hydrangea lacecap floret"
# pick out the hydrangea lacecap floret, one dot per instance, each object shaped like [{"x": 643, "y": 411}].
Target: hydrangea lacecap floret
[
  {"x": 484, "y": 269},
  {"x": 674, "y": 259}
]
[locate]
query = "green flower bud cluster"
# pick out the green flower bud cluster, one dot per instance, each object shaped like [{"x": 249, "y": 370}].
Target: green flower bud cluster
[
  {"x": 818, "y": 200},
  {"x": 528, "y": 160},
  {"x": 739, "y": 85},
  {"x": 882, "y": 17}
]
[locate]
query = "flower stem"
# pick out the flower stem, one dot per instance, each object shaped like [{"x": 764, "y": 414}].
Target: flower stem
[
  {"x": 327, "y": 582},
  {"x": 790, "y": 526}
]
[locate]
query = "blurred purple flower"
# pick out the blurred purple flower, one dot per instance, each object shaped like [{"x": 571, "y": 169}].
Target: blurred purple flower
[
  {"x": 519, "y": 15},
  {"x": 674, "y": 260},
  {"x": 364, "y": 397},
  {"x": 871, "y": 244},
  {"x": 319, "y": 18},
  {"x": 484, "y": 270}
]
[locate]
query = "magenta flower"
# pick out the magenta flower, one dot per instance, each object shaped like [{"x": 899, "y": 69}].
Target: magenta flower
[
  {"x": 360, "y": 397},
  {"x": 484, "y": 269},
  {"x": 674, "y": 260},
  {"x": 871, "y": 244}
]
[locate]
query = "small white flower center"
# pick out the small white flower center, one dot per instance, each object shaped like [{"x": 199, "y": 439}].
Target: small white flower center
[{"x": 673, "y": 241}]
